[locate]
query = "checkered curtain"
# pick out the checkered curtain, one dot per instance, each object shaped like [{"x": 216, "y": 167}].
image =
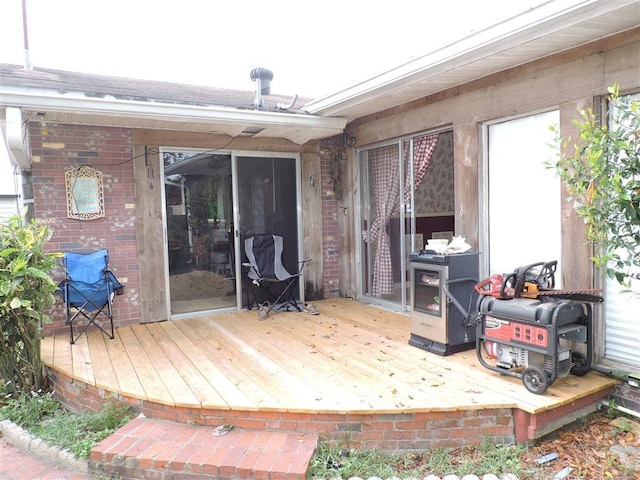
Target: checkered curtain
[
  {"x": 385, "y": 174},
  {"x": 423, "y": 148}
]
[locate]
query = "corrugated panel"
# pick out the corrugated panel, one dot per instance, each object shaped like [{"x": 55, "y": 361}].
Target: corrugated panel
[
  {"x": 622, "y": 317},
  {"x": 622, "y": 329},
  {"x": 8, "y": 208}
]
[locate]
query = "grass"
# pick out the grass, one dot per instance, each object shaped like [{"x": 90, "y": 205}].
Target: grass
[
  {"x": 41, "y": 415},
  {"x": 579, "y": 445},
  {"x": 333, "y": 460}
]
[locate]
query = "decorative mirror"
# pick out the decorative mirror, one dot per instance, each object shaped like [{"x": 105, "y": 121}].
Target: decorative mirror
[{"x": 85, "y": 193}]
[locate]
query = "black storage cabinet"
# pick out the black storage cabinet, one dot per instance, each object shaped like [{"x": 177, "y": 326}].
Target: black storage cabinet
[{"x": 442, "y": 292}]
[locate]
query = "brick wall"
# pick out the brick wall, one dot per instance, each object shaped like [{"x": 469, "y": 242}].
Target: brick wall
[
  {"x": 57, "y": 148},
  {"x": 330, "y": 240},
  {"x": 373, "y": 431}
]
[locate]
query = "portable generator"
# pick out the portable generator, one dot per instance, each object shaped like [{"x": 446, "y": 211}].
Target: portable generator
[{"x": 527, "y": 330}]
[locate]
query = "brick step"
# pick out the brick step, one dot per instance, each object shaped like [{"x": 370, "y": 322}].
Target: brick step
[{"x": 160, "y": 449}]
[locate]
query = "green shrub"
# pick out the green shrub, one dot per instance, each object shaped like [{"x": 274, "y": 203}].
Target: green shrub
[
  {"x": 602, "y": 176},
  {"x": 27, "y": 410},
  {"x": 26, "y": 293},
  {"x": 40, "y": 414}
]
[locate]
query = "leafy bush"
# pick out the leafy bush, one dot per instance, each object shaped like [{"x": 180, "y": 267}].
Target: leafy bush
[
  {"x": 603, "y": 180},
  {"x": 26, "y": 293}
]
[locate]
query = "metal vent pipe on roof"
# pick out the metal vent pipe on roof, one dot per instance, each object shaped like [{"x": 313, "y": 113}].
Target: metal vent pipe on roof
[{"x": 262, "y": 78}]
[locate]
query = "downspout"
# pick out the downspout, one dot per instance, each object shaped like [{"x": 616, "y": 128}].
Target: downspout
[
  {"x": 17, "y": 138},
  {"x": 620, "y": 408}
]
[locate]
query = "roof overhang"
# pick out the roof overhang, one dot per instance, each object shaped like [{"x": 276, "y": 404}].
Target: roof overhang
[
  {"x": 547, "y": 29},
  {"x": 76, "y": 107}
]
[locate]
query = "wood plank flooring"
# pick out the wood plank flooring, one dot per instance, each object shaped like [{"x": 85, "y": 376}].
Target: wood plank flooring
[{"x": 352, "y": 358}]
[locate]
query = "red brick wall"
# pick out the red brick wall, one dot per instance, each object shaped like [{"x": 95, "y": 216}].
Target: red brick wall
[
  {"x": 372, "y": 431},
  {"x": 330, "y": 240},
  {"x": 57, "y": 148}
]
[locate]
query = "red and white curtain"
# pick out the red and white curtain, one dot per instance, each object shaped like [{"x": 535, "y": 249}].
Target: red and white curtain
[
  {"x": 385, "y": 181},
  {"x": 423, "y": 148}
]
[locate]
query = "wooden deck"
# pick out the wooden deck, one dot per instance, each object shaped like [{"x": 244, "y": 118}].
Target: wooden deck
[{"x": 350, "y": 359}]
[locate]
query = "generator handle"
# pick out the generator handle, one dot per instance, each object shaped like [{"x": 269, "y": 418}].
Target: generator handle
[
  {"x": 509, "y": 278},
  {"x": 454, "y": 300}
]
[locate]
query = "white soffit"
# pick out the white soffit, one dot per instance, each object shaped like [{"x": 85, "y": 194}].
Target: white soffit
[{"x": 552, "y": 27}]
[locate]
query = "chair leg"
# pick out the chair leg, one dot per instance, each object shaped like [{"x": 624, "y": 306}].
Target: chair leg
[
  {"x": 92, "y": 319},
  {"x": 70, "y": 322},
  {"x": 288, "y": 295}
]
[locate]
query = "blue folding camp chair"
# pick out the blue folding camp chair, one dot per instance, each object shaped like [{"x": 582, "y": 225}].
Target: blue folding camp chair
[
  {"x": 88, "y": 289},
  {"x": 267, "y": 278}
]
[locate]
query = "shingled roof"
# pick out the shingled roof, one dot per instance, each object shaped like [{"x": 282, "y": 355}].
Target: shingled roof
[{"x": 121, "y": 88}]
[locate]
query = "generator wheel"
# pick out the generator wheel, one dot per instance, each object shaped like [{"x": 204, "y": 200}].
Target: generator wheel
[
  {"x": 535, "y": 380},
  {"x": 580, "y": 364}
]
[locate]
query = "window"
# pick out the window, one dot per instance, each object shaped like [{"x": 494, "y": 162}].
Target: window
[{"x": 524, "y": 197}]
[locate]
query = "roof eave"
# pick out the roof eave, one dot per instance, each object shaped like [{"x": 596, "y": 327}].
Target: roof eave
[
  {"x": 484, "y": 44},
  {"x": 303, "y": 127}
]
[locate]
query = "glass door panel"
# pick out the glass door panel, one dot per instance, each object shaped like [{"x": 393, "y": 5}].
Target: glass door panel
[
  {"x": 382, "y": 224},
  {"x": 268, "y": 203},
  {"x": 508, "y": 177},
  {"x": 394, "y": 180},
  {"x": 198, "y": 205}
]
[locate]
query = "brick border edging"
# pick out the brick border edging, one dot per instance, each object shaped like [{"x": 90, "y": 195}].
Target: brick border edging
[
  {"x": 28, "y": 443},
  {"x": 380, "y": 431}
]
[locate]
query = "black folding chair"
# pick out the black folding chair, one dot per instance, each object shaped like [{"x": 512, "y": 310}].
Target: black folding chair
[
  {"x": 88, "y": 291},
  {"x": 267, "y": 278}
]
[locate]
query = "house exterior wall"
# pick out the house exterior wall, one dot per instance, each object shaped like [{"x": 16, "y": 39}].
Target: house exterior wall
[
  {"x": 567, "y": 81},
  {"x": 132, "y": 227},
  {"x": 58, "y": 148}
]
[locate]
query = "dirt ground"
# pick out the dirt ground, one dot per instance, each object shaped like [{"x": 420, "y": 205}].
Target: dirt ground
[{"x": 601, "y": 446}]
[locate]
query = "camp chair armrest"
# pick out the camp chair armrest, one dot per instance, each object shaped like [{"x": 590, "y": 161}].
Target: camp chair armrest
[{"x": 301, "y": 265}]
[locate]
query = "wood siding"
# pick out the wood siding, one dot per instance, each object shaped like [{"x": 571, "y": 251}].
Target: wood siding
[{"x": 149, "y": 229}]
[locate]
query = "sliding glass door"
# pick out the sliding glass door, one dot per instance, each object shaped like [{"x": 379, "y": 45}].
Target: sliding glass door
[
  {"x": 213, "y": 203},
  {"x": 391, "y": 185}
]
